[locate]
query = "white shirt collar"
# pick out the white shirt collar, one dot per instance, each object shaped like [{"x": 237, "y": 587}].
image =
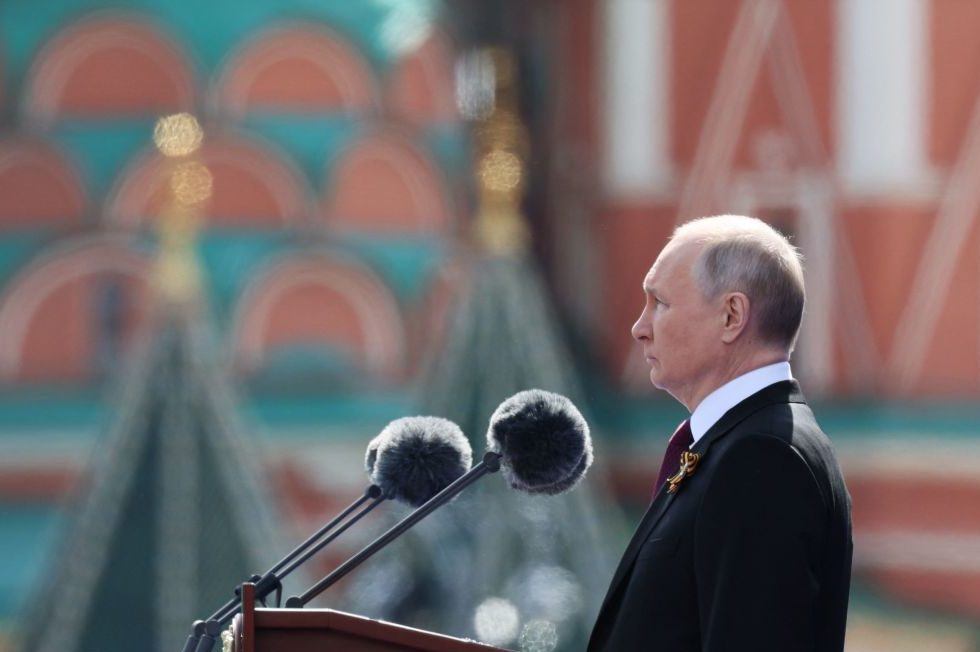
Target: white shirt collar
[{"x": 723, "y": 399}]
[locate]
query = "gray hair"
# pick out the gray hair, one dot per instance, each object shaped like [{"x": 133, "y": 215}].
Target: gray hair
[{"x": 744, "y": 254}]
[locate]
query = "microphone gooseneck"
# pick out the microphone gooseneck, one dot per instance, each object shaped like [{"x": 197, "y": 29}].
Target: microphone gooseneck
[
  {"x": 489, "y": 464},
  {"x": 411, "y": 460},
  {"x": 271, "y": 580},
  {"x": 539, "y": 439}
]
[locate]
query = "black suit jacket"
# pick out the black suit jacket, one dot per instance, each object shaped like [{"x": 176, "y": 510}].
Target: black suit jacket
[{"x": 753, "y": 552}]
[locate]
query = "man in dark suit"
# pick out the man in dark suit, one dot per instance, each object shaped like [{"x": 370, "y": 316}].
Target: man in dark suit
[{"x": 747, "y": 543}]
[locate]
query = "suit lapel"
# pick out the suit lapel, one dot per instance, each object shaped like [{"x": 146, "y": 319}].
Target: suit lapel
[
  {"x": 782, "y": 392},
  {"x": 650, "y": 519}
]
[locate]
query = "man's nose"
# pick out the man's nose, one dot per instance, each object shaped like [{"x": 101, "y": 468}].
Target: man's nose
[{"x": 641, "y": 328}]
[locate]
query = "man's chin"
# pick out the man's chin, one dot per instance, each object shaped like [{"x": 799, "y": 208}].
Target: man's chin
[
  {"x": 656, "y": 380},
  {"x": 659, "y": 381}
]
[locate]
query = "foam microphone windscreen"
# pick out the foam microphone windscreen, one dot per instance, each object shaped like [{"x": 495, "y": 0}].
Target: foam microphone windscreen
[
  {"x": 371, "y": 454},
  {"x": 543, "y": 439},
  {"x": 567, "y": 483},
  {"x": 417, "y": 457}
]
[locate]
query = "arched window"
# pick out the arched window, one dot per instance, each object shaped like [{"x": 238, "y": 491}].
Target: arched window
[
  {"x": 108, "y": 67},
  {"x": 298, "y": 68},
  {"x": 384, "y": 183},
  {"x": 39, "y": 188},
  {"x": 322, "y": 316},
  {"x": 253, "y": 186},
  {"x": 72, "y": 313},
  {"x": 421, "y": 89}
]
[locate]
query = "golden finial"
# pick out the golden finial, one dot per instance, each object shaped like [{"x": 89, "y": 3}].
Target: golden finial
[
  {"x": 501, "y": 144},
  {"x": 189, "y": 186}
]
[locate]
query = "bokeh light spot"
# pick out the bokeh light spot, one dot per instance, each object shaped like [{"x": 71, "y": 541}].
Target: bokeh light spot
[
  {"x": 551, "y": 592},
  {"x": 191, "y": 183},
  {"x": 408, "y": 24},
  {"x": 178, "y": 134},
  {"x": 539, "y": 636},
  {"x": 496, "y": 621},
  {"x": 500, "y": 171},
  {"x": 476, "y": 85}
]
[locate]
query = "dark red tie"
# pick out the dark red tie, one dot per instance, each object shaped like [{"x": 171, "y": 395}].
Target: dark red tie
[{"x": 679, "y": 442}]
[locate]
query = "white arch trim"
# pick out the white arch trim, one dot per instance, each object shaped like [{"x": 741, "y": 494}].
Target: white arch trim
[
  {"x": 235, "y": 81},
  {"x": 289, "y": 192},
  {"x": 16, "y": 154},
  {"x": 54, "y": 68}
]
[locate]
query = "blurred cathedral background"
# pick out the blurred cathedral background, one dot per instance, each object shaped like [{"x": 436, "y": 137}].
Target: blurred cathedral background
[{"x": 238, "y": 238}]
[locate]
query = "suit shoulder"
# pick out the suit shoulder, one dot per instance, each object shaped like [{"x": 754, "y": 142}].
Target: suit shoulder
[
  {"x": 748, "y": 449},
  {"x": 771, "y": 459},
  {"x": 764, "y": 475}
]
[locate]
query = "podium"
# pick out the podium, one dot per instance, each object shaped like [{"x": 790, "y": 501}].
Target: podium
[{"x": 325, "y": 630}]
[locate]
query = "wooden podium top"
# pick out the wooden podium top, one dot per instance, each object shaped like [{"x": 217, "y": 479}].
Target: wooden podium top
[{"x": 326, "y": 630}]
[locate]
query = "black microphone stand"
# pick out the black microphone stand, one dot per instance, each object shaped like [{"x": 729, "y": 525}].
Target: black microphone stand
[
  {"x": 204, "y": 634},
  {"x": 490, "y": 464}
]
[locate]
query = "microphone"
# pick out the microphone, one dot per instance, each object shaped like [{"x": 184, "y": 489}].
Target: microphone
[
  {"x": 410, "y": 461},
  {"x": 566, "y": 484},
  {"x": 544, "y": 441},
  {"x": 539, "y": 438},
  {"x": 371, "y": 453},
  {"x": 417, "y": 457}
]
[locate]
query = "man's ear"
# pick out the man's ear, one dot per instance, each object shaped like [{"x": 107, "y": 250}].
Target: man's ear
[{"x": 736, "y": 309}]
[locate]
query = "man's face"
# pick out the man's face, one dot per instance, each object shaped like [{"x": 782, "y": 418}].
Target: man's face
[{"x": 679, "y": 331}]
